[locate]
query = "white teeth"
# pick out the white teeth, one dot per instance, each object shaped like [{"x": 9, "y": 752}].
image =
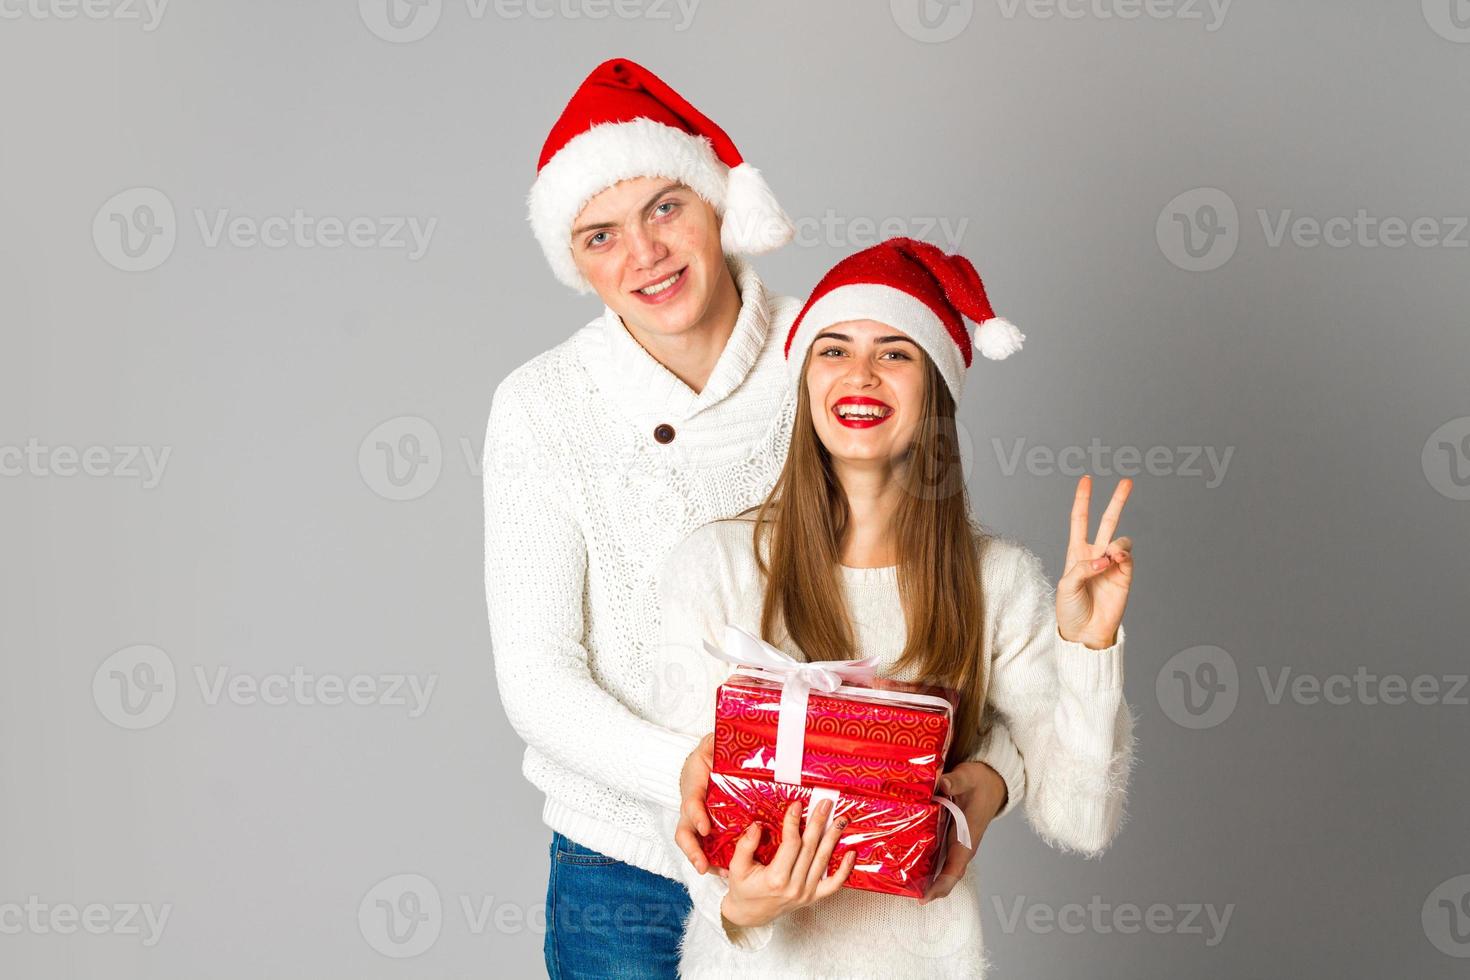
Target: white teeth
[
  {"x": 659, "y": 287},
  {"x": 863, "y": 412}
]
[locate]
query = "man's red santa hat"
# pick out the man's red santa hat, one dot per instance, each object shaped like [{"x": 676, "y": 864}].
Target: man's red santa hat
[
  {"x": 623, "y": 122},
  {"x": 914, "y": 287}
]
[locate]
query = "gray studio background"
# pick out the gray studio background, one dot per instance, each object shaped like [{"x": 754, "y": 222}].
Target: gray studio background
[{"x": 1139, "y": 185}]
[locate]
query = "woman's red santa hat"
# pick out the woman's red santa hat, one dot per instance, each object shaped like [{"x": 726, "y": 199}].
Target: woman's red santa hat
[
  {"x": 624, "y": 122},
  {"x": 914, "y": 287}
]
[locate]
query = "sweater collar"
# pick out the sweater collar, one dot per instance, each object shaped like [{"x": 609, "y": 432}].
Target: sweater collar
[{"x": 646, "y": 388}]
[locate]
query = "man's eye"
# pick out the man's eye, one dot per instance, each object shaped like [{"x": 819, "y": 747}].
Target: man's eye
[
  {"x": 597, "y": 239},
  {"x": 667, "y": 204}
]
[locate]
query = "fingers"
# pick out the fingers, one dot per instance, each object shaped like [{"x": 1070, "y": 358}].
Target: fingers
[
  {"x": 957, "y": 782},
  {"x": 943, "y": 885},
  {"x": 1120, "y": 551},
  {"x": 689, "y": 844},
  {"x": 811, "y": 839},
  {"x": 1109, "y": 522},
  {"x": 832, "y": 882},
  {"x": 744, "y": 857},
  {"x": 1077, "y": 539},
  {"x": 823, "y": 856},
  {"x": 956, "y": 860},
  {"x": 789, "y": 848}
]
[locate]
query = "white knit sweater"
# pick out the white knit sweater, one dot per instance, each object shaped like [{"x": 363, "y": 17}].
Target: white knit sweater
[
  {"x": 1062, "y": 703},
  {"x": 582, "y": 505}
]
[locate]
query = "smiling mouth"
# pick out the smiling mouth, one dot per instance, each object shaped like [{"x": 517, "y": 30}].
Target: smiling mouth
[
  {"x": 862, "y": 412},
  {"x": 861, "y": 415},
  {"x": 655, "y": 288}
]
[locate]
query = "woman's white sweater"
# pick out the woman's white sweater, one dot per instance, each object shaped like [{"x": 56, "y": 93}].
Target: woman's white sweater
[{"x": 1061, "y": 702}]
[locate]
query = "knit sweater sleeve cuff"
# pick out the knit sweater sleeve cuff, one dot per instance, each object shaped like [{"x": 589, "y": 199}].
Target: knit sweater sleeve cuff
[
  {"x": 1088, "y": 671},
  {"x": 660, "y": 761},
  {"x": 1000, "y": 753},
  {"x": 711, "y": 891}
]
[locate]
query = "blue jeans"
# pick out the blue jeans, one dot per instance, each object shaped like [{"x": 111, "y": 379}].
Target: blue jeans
[{"x": 609, "y": 920}]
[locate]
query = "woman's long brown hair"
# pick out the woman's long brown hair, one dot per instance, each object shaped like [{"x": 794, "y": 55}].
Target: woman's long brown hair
[{"x": 805, "y": 518}]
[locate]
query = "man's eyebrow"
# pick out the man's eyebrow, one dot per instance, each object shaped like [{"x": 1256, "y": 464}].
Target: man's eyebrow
[
  {"x": 881, "y": 340},
  {"x": 600, "y": 225}
]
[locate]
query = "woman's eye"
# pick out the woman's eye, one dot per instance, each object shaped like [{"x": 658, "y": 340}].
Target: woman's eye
[
  {"x": 901, "y": 355},
  {"x": 830, "y": 350}
]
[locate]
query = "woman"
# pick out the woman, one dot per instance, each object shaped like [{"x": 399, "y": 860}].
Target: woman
[{"x": 865, "y": 547}]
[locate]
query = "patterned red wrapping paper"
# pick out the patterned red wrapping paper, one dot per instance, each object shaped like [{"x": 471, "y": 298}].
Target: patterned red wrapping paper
[
  {"x": 853, "y": 743},
  {"x": 899, "y": 843}
]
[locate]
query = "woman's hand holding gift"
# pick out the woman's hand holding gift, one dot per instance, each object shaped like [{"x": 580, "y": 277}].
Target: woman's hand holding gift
[
  {"x": 980, "y": 792},
  {"x": 797, "y": 875},
  {"x": 1093, "y": 591}
]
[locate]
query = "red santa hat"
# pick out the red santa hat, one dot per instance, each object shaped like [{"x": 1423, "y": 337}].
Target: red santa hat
[
  {"x": 622, "y": 122},
  {"x": 914, "y": 287}
]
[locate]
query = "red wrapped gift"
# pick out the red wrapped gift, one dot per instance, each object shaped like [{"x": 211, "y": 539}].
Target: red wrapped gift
[
  {"x": 879, "y": 743},
  {"x": 899, "y": 843},
  {"x": 789, "y": 730}
]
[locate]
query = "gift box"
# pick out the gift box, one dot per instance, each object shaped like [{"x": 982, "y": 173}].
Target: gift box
[
  {"x": 899, "y": 843},
  {"x": 871, "y": 742},
  {"x": 787, "y": 730}
]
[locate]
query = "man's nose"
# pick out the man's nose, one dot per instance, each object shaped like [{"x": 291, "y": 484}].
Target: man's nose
[{"x": 646, "y": 248}]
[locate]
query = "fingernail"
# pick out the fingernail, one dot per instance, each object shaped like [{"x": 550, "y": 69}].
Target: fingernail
[{"x": 841, "y": 823}]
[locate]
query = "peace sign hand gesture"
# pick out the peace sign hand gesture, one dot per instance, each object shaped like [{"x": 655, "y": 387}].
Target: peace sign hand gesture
[{"x": 1093, "y": 592}]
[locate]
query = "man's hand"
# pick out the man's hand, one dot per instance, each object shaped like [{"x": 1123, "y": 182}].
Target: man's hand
[
  {"x": 981, "y": 792},
  {"x": 693, "y": 818}
]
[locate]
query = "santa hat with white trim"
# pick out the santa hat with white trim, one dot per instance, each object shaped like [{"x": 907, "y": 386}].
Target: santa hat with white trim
[
  {"x": 914, "y": 287},
  {"x": 623, "y": 122}
]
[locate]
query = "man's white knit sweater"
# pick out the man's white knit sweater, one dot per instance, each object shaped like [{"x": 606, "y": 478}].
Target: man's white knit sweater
[
  {"x": 583, "y": 502},
  {"x": 1062, "y": 703}
]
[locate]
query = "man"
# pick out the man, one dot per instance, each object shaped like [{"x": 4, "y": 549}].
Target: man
[{"x": 669, "y": 410}]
